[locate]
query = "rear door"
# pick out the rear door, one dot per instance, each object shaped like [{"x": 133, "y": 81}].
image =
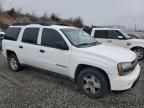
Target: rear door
[
  {"x": 100, "y": 35},
  {"x": 28, "y": 48}
]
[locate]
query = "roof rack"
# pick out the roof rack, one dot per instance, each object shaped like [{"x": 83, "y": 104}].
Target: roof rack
[
  {"x": 102, "y": 26},
  {"x": 93, "y": 27},
  {"x": 98, "y": 26},
  {"x": 48, "y": 23}
]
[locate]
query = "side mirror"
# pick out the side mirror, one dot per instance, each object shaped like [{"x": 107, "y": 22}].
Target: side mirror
[
  {"x": 120, "y": 37},
  {"x": 62, "y": 45}
]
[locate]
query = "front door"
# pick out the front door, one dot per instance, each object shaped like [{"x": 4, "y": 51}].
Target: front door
[
  {"x": 113, "y": 38},
  {"x": 51, "y": 57}
]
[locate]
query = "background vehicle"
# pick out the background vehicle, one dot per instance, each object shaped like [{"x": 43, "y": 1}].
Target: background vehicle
[
  {"x": 1, "y": 37},
  {"x": 134, "y": 36},
  {"x": 95, "y": 67},
  {"x": 117, "y": 37}
]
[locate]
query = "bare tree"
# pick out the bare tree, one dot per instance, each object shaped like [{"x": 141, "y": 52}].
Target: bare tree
[
  {"x": 44, "y": 17},
  {"x": 54, "y": 17},
  {"x": 78, "y": 22}
]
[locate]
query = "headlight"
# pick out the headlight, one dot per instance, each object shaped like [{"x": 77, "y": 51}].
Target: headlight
[{"x": 125, "y": 68}]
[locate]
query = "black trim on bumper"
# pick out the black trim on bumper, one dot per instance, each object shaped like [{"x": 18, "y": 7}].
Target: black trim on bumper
[{"x": 136, "y": 81}]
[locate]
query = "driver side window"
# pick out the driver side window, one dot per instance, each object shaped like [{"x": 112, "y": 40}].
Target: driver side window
[
  {"x": 50, "y": 37},
  {"x": 113, "y": 34}
]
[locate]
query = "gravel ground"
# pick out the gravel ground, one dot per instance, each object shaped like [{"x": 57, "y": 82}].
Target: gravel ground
[{"x": 33, "y": 88}]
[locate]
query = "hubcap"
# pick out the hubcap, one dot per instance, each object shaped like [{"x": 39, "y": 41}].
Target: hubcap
[
  {"x": 13, "y": 63},
  {"x": 91, "y": 84},
  {"x": 140, "y": 53}
]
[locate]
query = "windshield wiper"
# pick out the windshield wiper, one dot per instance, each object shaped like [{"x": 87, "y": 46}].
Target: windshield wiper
[
  {"x": 83, "y": 44},
  {"x": 93, "y": 43}
]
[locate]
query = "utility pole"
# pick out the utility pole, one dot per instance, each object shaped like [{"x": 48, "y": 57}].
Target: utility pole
[{"x": 135, "y": 28}]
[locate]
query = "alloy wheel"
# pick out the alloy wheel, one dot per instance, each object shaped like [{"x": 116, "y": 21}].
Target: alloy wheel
[
  {"x": 91, "y": 84},
  {"x": 13, "y": 64},
  {"x": 139, "y": 52}
]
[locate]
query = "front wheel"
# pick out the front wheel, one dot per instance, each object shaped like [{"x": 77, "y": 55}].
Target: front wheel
[
  {"x": 93, "y": 83},
  {"x": 139, "y": 52}
]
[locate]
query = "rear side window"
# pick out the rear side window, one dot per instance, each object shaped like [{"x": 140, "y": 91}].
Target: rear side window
[
  {"x": 113, "y": 34},
  {"x": 88, "y": 30},
  {"x": 100, "y": 34},
  {"x": 12, "y": 33},
  {"x": 50, "y": 37},
  {"x": 30, "y": 35}
]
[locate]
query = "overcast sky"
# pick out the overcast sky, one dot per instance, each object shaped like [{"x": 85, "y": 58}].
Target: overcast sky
[{"x": 93, "y": 12}]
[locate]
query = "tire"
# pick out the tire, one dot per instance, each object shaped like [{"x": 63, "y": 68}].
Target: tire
[
  {"x": 14, "y": 63},
  {"x": 93, "y": 88},
  {"x": 139, "y": 52}
]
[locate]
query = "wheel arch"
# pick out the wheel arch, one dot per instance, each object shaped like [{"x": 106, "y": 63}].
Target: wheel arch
[
  {"x": 136, "y": 47},
  {"x": 8, "y": 52},
  {"x": 80, "y": 67}
]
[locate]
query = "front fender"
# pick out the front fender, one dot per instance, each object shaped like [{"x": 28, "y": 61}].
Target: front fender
[
  {"x": 137, "y": 45},
  {"x": 109, "y": 68}
]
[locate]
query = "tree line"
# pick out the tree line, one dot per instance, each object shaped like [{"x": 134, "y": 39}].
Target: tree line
[{"x": 8, "y": 17}]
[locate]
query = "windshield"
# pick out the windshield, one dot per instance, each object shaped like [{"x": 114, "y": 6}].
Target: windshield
[
  {"x": 79, "y": 38},
  {"x": 134, "y": 36}
]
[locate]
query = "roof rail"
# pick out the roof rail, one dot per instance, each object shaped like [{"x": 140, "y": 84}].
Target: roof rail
[
  {"x": 93, "y": 27},
  {"x": 98, "y": 26},
  {"x": 48, "y": 23}
]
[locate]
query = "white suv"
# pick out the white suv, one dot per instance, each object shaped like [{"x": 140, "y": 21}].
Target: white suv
[
  {"x": 117, "y": 37},
  {"x": 95, "y": 67}
]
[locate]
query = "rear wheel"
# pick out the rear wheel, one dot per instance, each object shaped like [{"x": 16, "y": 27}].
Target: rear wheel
[
  {"x": 14, "y": 63},
  {"x": 93, "y": 83},
  {"x": 140, "y": 53}
]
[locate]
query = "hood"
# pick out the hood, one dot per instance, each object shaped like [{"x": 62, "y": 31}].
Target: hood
[
  {"x": 111, "y": 52},
  {"x": 138, "y": 40}
]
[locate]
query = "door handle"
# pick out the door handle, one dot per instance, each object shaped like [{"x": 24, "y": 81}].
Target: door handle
[
  {"x": 20, "y": 47},
  {"x": 109, "y": 41},
  {"x": 42, "y": 51}
]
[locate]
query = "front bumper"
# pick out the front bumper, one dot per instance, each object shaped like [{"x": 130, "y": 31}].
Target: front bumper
[{"x": 125, "y": 82}]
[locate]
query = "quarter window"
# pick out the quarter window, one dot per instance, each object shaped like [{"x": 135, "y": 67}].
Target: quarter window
[
  {"x": 30, "y": 35},
  {"x": 12, "y": 33},
  {"x": 50, "y": 37}
]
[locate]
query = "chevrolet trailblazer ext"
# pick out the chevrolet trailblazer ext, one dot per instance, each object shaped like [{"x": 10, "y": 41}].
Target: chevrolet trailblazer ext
[{"x": 95, "y": 67}]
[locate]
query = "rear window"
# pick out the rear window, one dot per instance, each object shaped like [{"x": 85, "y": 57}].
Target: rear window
[
  {"x": 100, "y": 34},
  {"x": 12, "y": 33},
  {"x": 30, "y": 35}
]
